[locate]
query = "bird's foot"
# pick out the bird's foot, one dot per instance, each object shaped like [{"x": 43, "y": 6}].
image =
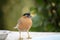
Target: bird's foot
[
  {"x": 29, "y": 37},
  {"x": 20, "y": 38}
]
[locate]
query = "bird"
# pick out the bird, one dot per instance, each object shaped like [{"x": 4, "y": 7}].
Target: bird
[{"x": 24, "y": 24}]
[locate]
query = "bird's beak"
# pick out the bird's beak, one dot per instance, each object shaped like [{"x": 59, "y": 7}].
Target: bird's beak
[{"x": 29, "y": 16}]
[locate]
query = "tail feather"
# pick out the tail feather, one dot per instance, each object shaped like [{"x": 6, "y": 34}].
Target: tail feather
[{"x": 16, "y": 26}]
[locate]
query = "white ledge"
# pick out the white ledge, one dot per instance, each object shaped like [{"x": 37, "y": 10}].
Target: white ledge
[{"x": 35, "y": 35}]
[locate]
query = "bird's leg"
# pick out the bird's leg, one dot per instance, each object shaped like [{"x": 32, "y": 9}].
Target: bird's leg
[
  {"x": 28, "y": 35},
  {"x": 20, "y": 38}
]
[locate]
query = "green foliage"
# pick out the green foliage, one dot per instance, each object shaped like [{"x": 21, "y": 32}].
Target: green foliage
[
  {"x": 2, "y": 2},
  {"x": 10, "y": 12},
  {"x": 46, "y": 20}
]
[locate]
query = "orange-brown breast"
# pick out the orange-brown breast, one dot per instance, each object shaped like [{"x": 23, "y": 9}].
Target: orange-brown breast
[{"x": 25, "y": 24}]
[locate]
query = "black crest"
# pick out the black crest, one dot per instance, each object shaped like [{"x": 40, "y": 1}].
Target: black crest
[{"x": 26, "y": 14}]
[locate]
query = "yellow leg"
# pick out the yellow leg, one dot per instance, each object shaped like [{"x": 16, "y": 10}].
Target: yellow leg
[
  {"x": 20, "y": 38},
  {"x": 28, "y": 35}
]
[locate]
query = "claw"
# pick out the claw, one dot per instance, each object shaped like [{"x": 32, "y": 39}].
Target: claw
[
  {"x": 29, "y": 37},
  {"x": 20, "y": 38}
]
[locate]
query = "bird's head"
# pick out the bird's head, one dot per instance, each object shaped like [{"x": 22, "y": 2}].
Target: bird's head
[{"x": 27, "y": 15}]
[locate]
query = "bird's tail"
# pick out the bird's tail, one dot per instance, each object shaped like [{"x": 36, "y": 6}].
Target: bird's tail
[{"x": 16, "y": 26}]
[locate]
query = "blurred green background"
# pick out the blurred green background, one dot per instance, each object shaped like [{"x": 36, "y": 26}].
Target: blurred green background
[{"x": 45, "y": 14}]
